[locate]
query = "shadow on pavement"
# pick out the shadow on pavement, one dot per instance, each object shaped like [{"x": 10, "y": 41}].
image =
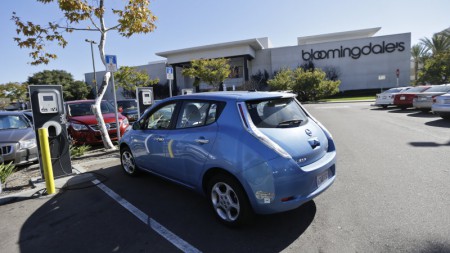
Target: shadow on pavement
[
  {"x": 82, "y": 218},
  {"x": 439, "y": 123},
  {"x": 421, "y": 114},
  {"x": 428, "y": 144}
]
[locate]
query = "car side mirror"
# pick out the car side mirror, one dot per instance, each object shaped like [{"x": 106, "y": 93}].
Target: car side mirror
[{"x": 136, "y": 125}]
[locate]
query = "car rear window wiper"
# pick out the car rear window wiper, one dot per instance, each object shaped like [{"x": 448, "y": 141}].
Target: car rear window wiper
[{"x": 290, "y": 123}]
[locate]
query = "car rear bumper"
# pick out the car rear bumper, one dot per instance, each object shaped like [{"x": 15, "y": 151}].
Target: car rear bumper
[
  {"x": 441, "y": 108},
  {"x": 423, "y": 104},
  {"x": 290, "y": 185}
]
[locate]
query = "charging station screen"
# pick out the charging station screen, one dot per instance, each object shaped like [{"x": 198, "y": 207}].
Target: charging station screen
[{"x": 48, "y": 98}]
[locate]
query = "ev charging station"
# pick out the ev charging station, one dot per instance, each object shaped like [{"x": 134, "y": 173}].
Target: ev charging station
[
  {"x": 145, "y": 99},
  {"x": 48, "y": 112}
]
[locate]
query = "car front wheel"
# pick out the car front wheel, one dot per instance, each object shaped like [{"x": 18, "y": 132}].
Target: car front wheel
[
  {"x": 128, "y": 162},
  {"x": 229, "y": 201}
]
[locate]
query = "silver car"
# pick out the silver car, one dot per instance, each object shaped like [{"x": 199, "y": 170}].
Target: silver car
[
  {"x": 17, "y": 139},
  {"x": 423, "y": 101},
  {"x": 441, "y": 106}
]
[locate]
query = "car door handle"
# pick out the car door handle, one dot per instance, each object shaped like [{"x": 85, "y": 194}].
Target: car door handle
[
  {"x": 202, "y": 141},
  {"x": 160, "y": 139}
]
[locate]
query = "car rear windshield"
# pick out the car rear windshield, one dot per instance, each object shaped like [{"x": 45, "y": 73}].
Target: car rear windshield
[
  {"x": 394, "y": 90},
  {"x": 416, "y": 89},
  {"x": 276, "y": 113},
  {"x": 85, "y": 108},
  {"x": 439, "y": 88}
]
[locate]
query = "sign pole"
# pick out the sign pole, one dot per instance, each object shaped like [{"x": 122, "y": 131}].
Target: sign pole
[
  {"x": 170, "y": 87},
  {"x": 397, "y": 72},
  {"x": 115, "y": 107},
  {"x": 111, "y": 65},
  {"x": 169, "y": 76}
]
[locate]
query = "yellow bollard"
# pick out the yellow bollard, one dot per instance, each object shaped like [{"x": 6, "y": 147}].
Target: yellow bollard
[{"x": 46, "y": 160}]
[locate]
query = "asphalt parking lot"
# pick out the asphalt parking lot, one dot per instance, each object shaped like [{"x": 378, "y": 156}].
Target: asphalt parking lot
[{"x": 391, "y": 195}]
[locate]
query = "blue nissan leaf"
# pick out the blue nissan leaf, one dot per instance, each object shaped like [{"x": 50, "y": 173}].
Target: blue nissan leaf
[{"x": 247, "y": 152}]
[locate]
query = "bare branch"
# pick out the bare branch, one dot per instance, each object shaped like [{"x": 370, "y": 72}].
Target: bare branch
[{"x": 77, "y": 29}]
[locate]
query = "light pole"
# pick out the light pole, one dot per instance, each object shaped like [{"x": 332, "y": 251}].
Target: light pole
[{"x": 93, "y": 65}]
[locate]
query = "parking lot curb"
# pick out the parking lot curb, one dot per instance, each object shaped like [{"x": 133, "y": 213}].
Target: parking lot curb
[{"x": 38, "y": 184}]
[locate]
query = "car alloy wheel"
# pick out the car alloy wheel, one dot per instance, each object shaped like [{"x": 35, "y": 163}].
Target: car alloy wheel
[
  {"x": 228, "y": 200},
  {"x": 127, "y": 161}
]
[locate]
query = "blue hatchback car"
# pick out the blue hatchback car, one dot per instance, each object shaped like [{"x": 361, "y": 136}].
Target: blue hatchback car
[{"x": 248, "y": 152}]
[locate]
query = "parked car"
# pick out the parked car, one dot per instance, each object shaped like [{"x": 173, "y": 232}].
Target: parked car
[
  {"x": 424, "y": 100},
  {"x": 405, "y": 99},
  {"x": 128, "y": 108},
  {"x": 248, "y": 152},
  {"x": 441, "y": 106},
  {"x": 83, "y": 126},
  {"x": 386, "y": 98},
  {"x": 17, "y": 138}
]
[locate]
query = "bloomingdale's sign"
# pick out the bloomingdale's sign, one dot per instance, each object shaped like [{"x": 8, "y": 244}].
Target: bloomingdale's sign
[{"x": 354, "y": 52}]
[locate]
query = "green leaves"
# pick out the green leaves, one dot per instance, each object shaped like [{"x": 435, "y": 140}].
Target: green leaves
[
  {"x": 14, "y": 91},
  {"x": 129, "y": 78},
  {"x": 308, "y": 84},
  {"x": 211, "y": 71}
]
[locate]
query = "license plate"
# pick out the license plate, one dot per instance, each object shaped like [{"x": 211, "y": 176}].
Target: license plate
[
  {"x": 384, "y": 97},
  {"x": 402, "y": 98},
  {"x": 322, "y": 178},
  {"x": 423, "y": 99}
]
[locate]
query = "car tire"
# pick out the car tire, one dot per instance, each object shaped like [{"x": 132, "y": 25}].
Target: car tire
[
  {"x": 384, "y": 106},
  {"x": 128, "y": 163},
  {"x": 229, "y": 201}
]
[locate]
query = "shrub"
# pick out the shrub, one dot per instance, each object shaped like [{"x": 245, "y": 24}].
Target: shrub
[
  {"x": 5, "y": 171},
  {"x": 77, "y": 151},
  {"x": 308, "y": 84}
]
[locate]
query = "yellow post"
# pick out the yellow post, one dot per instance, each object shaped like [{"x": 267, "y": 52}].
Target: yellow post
[{"x": 46, "y": 160}]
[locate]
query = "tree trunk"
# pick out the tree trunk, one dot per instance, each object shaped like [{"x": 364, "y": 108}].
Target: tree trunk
[{"x": 101, "y": 92}]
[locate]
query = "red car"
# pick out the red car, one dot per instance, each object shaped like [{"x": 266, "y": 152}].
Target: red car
[
  {"x": 83, "y": 126},
  {"x": 405, "y": 100}
]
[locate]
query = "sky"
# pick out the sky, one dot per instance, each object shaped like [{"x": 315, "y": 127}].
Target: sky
[{"x": 184, "y": 24}]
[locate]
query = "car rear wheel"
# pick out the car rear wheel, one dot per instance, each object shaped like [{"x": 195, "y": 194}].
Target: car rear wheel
[
  {"x": 128, "y": 162},
  {"x": 229, "y": 201}
]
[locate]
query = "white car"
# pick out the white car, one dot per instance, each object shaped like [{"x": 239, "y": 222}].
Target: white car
[
  {"x": 424, "y": 100},
  {"x": 386, "y": 98},
  {"x": 441, "y": 106}
]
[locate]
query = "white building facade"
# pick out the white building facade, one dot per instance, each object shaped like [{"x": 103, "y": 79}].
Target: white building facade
[{"x": 360, "y": 59}]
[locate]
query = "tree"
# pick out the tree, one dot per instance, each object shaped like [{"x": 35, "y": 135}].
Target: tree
[
  {"x": 210, "y": 71},
  {"x": 129, "y": 78},
  {"x": 308, "y": 84},
  {"x": 419, "y": 54},
  {"x": 14, "y": 91},
  {"x": 76, "y": 90},
  {"x": 72, "y": 89},
  {"x": 436, "y": 69},
  {"x": 437, "y": 44},
  {"x": 283, "y": 80},
  {"x": 79, "y": 15}
]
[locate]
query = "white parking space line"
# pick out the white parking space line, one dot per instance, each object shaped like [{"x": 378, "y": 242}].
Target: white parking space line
[{"x": 153, "y": 224}]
